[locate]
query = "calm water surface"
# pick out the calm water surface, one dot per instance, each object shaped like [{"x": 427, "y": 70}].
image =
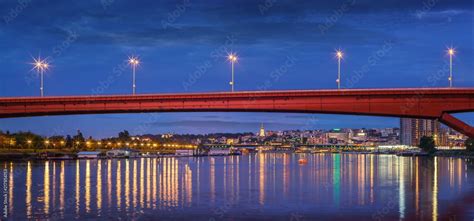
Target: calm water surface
[{"x": 257, "y": 186}]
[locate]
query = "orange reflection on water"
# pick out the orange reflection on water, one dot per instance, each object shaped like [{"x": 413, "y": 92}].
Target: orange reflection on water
[
  {"x": 174, "y": 184},
  {"x": 155, "y": 178},
  {"x": 78, "y": 186},
  {"x": 153, "y": 185},
  {"x": 62, "y": 189},
  {"x": 459, "y": 173},
  {"x": 118, "y": 186},
  {"x": 148, "y": 182},
  {"x": 87, "y": 190},
  {"x": 46, "y": 187},
  {"x": 99, "y": 186},
  {"x": 127, "y": 184},
  {"x": 142, "y": 182},
  {"x": 435, "y": 190},
  {"x": 135, "y": 188},
  {"x": 261, "y": 178},
  {"x": 53, "y": 190},
  {"x": 109, "y": 183},
  {"x": 28, "y": 190},
  {"x": 188, "y": 184}
]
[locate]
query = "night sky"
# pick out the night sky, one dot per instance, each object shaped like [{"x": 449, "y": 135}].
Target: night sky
[{"x": 182, "y": 46}]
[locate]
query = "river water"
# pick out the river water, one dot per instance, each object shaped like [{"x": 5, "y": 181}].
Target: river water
[{"x": 263, "y": 186}]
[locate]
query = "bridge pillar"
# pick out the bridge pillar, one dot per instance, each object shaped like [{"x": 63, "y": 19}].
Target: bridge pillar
[{"x": 457, "y": 125}]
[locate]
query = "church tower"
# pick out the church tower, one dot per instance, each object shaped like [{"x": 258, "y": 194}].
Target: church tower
[{"x": 262, "y": 131}]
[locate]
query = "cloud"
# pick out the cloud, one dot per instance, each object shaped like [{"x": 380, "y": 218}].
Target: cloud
[
  {"x": 131, "y": 24},
  {"x": 223, "y": 124}
]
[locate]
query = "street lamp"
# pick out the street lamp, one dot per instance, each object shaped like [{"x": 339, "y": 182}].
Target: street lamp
[
  {"x": 40, "y": 65},
  {"x": 232, "y": 58},
  {"x": 133, "y": 61},
  {"x": 451, "y": 53},
  {"x": 339, "y": 56}
]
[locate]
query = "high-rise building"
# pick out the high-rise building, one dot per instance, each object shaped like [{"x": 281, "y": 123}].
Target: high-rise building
[{"x": 412, "y": 130}]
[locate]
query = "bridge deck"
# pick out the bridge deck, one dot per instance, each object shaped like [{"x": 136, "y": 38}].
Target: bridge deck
[{"x": 431, "y": 103}]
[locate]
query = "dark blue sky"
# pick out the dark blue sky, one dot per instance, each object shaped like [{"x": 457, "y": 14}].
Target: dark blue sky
[{"x": 282, "y": 44}]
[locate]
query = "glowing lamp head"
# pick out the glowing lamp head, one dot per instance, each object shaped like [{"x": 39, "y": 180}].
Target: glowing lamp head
[
  {"x": 339, "y": 54},
  {"x": 133, "y": 61},
  {"x": 232, "y": 57},
  {"x": 45, "y": 66},
  {"x": 40, "y": 65},
  {"x": 451, "y": 51}
]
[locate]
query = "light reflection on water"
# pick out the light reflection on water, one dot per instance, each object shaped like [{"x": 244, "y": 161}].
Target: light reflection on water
[{"x": 250, "y": 186}]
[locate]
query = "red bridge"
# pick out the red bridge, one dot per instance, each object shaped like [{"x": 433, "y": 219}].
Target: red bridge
[{"x": 429, "y": 103}]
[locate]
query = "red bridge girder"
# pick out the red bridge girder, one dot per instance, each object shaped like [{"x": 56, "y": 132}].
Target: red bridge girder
[{"x": 429, "y": 103}]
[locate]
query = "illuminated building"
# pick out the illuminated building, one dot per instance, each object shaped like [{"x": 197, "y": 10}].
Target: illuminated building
[
  {"x": 412, "y": 130},
  {"x": 261, "y": 133}
]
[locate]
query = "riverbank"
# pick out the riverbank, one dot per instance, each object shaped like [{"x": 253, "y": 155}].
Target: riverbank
[
  {"x": 69, "y": 154},
  {"x": 455, "y": 153}
]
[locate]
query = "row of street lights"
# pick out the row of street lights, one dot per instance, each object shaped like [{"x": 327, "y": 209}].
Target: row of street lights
[
  {"x": 42, "y": 65},
  {"x": 118, "y": 144},
  {"x": 339, "y": 55}
]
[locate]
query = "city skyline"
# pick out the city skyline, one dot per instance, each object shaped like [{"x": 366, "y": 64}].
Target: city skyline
[{"x": 185, "y": 50}]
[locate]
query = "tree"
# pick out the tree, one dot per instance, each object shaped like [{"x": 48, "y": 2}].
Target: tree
[
  {"x": 124, "y": 136},
  {"x": 469, "y": 144},
  {"x": 69, "y": 141},
  {"x": 78, "y": 140},
  {"x": 427, "y": 144},
  {"x": 57, "y": 141}
]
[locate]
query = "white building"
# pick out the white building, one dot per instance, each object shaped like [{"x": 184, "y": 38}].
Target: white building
[
  {"x": 123, "y": 153},
  {"x": 219, "y": 152},
  {"x": 88, "y": 155},
  {"x": 184, "y": 152}
]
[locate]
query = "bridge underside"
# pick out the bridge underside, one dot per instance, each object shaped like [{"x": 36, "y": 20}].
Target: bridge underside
[{"x": 413, "y": 103}]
